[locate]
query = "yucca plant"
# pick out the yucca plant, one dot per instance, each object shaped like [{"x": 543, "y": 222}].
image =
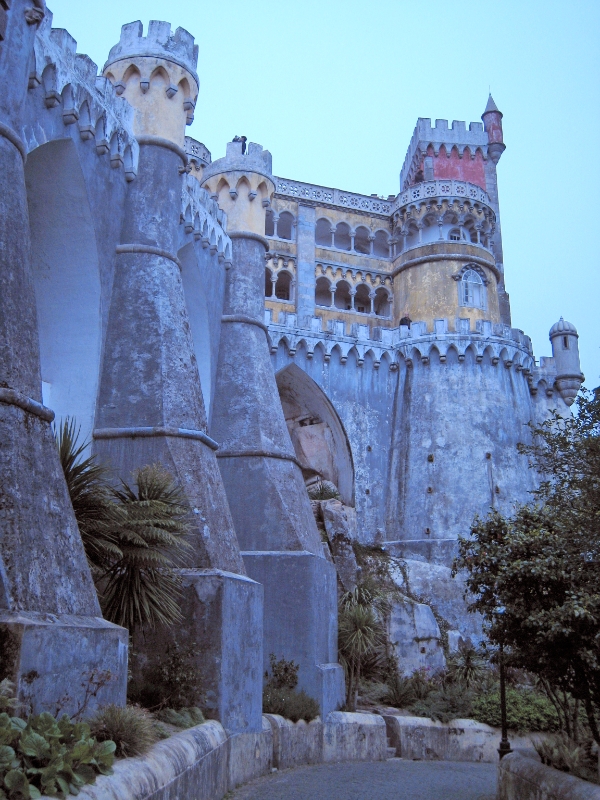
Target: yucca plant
[
  {"x": 90, "y": 496},
  {"x": 360, "y": 636},
  {"x": 142, "y": 587}
]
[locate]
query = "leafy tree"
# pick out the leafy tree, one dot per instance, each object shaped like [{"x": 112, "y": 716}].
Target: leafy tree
[{"x": 534, "y": 576}]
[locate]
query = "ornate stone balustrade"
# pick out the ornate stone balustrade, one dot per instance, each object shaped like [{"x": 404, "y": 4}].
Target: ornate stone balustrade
[
  {"x": 441, "y": 188},
  {"x": 321, "y": 195}
]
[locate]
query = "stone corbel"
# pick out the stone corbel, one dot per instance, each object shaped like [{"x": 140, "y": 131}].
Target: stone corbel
[
  {"x": 171, "y": 91},
  {"x": 144, "y": 86},
  {"x": 33, "y": 16}
]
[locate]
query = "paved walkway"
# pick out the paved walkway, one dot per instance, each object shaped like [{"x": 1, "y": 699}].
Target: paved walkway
[{"x": 384, "y": 780}]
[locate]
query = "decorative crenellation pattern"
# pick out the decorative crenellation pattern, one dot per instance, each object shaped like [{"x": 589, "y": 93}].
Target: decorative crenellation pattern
[
  {"x": 323, "y": 196},
  {"x": 70, "y": 79},
  {"x": 197, "y": 151},
  {"x": 410, "y": 345},
  {"x": 204, "y": 220},
  {"x": 425, "y": 134}
]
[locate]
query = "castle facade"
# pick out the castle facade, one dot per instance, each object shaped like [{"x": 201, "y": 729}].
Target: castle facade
[{"x": 256, "y": 335}]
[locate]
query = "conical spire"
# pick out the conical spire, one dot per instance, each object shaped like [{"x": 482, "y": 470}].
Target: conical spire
[{"x": 491, "y": 106}]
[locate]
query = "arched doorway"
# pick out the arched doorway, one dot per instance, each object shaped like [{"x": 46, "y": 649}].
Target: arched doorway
[
  {"x": 318, "y": 436},
  {"x": 67, "y": 281}
]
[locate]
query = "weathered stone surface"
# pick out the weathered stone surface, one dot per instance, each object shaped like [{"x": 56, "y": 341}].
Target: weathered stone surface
[
  {"x": 221, "y": 633},
  {"x": 354, "y": 737},
  {"x": 300, "y": 619},
  {"x": 340, "y": 525},
  {"x": 459, "y": 740},
  {"x": 434, "y": 585},
  {"x": 416, "y": 637},
  {"x": 522, "y": 778}
]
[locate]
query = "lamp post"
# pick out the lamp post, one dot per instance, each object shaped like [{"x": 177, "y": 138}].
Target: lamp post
[{"x": 504, "y": 743}]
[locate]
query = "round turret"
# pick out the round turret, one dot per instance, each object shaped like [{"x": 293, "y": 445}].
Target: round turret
[
  {"x": 242, "y": 184},
  {"x": 565, "y": 350},
  {"x": 157, "y": 75},
  {"x": 492, "y": 124}
]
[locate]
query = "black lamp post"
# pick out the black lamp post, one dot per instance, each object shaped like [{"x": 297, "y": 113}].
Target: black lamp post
[{"x": 504, "y": 743}]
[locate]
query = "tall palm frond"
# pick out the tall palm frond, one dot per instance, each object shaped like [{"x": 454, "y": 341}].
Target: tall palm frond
[
  {"x": 88, "y": 489},
  {"x": 142, "y": 587}
]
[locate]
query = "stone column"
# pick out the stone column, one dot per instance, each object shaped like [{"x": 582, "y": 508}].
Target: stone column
[
  {"x": 150, "y": 405},
  {"x": 267, "y": 496},
  {"x": 54, "y": 643},
  {"x": 305, "y": 266}
]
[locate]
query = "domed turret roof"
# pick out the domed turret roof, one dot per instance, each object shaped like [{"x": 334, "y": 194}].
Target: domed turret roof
[{"x": 562, "y": 326}]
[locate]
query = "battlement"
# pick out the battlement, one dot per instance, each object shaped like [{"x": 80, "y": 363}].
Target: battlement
[
  {"x": 158, "y": 43},
  {"x": 457, "y": 135},
  {"x": 256, "y": 159}
]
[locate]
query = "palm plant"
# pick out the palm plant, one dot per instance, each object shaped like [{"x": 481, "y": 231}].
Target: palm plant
[
  {"x": 142, "y": 587},
  {"x": 360, "y": 636},
  {"x": 467, "y": 667},
  {"x": 88, "y": 489}
]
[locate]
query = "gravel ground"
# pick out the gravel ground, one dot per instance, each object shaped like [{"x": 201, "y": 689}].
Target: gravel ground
[{"x": 384, "y": 780}]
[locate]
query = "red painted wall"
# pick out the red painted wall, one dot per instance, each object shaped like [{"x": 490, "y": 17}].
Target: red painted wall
[{"x": 461, "y": 169}]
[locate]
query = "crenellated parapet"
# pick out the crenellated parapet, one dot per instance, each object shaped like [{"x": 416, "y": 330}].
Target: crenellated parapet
[
  {"x": 493, "y": 343},
  {"x": 204, "y": 220},
  {"x": 156, "y": 73},
  {"x": 69, "y": 80},
  {"x": 243, "y": 186}
]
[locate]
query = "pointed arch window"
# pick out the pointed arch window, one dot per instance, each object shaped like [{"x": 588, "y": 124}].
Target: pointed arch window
[{"x": 472, "y": 289}]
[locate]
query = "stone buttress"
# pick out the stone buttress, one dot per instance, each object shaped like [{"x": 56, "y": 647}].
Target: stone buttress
[
  {"x": 150, "y": 407},
  {"x": 54, "y": 643},
  {"x": 263, "y": 479}
]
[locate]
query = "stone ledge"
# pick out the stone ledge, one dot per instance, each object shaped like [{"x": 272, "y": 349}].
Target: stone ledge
[
  {"x": 521, "y": 778},
  {"x": 204, "y": 762},
  {"x": 423, "y": 739}
]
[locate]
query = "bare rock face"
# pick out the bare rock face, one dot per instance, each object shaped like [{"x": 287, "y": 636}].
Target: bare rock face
[
  {"x": 340, "y": 527},
  {"x": 434, "y": 584},
  {"x": 416, "y": 637}
]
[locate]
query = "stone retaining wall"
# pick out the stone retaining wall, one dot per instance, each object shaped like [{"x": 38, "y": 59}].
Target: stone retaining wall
[
  {"x": 522, "y": 778},
  {"x": 459, "y": 740},
  {"x": 204, "y": 763}
]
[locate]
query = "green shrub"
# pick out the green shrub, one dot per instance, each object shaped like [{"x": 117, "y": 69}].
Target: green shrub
[
  {"x": 527, "y": 710},
  {"x": 181, "y": 718},
  {"x": 174, "y": 683},
  {"x": 444, "y": 704},
  {"x": 289, "y": 703},
  {"x": 284, "y": 674},
  {"x": 43, "y": 755},
  {"x": 131, "y": 728},
  {"x": 323, "y": 490},
  {"x": 563, "y": 753}
]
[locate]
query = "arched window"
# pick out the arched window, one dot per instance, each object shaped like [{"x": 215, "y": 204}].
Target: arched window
[
  {"x": 342, "y": 296},
  {"x": 382, "y": 302},
  {"x": 323, "y": 293},
  {"x": 472, "y": 290},
  {"x": 285, "y": 225},
  {"x": 268, "y": 283},
  {"x": 283, "y": 287},
  {"x": 455, "y": 235},
  {"x": 361, "y": 241},
  {"x": 362, "y": 301},
  {"x": 381, "y": 246},
  {"x": 269, "y": 224},
  {"x": 323, "y": 232},
  {"x": 341, "y": 237}
]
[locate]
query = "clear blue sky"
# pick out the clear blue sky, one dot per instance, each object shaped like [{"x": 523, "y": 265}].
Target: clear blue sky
[{"x": 333, "y": 89}]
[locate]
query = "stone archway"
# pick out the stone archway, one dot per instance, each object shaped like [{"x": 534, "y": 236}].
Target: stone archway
[
  {"x": 318, "y": 436},
  {"x": 67, "y": 281}
]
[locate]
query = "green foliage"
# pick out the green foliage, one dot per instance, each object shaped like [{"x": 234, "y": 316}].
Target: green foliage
[
  {"x": 90, "y": 497},
  {"x": 43, "y": 755},
  {"x": 451, "y": 701},
  {"x": 131, "y": 728},
  {"x": 142, "y": 587},
  {"x": 284, "y": 674},
  {"x": 181, "y": 718},
  {"x": 567, "y": 755},
  {"x": 323, "y": 490},
  {"x": 280, "y": 695},
  {"x": 534, "y": 576},
  {"x": 289, "y": 703},
  {"x": 467, "y": 667},
  {"x": 527, "y": 710}
]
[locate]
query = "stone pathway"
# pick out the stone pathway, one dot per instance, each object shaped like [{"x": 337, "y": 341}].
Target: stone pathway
[{"x": 384, "y": 780}]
